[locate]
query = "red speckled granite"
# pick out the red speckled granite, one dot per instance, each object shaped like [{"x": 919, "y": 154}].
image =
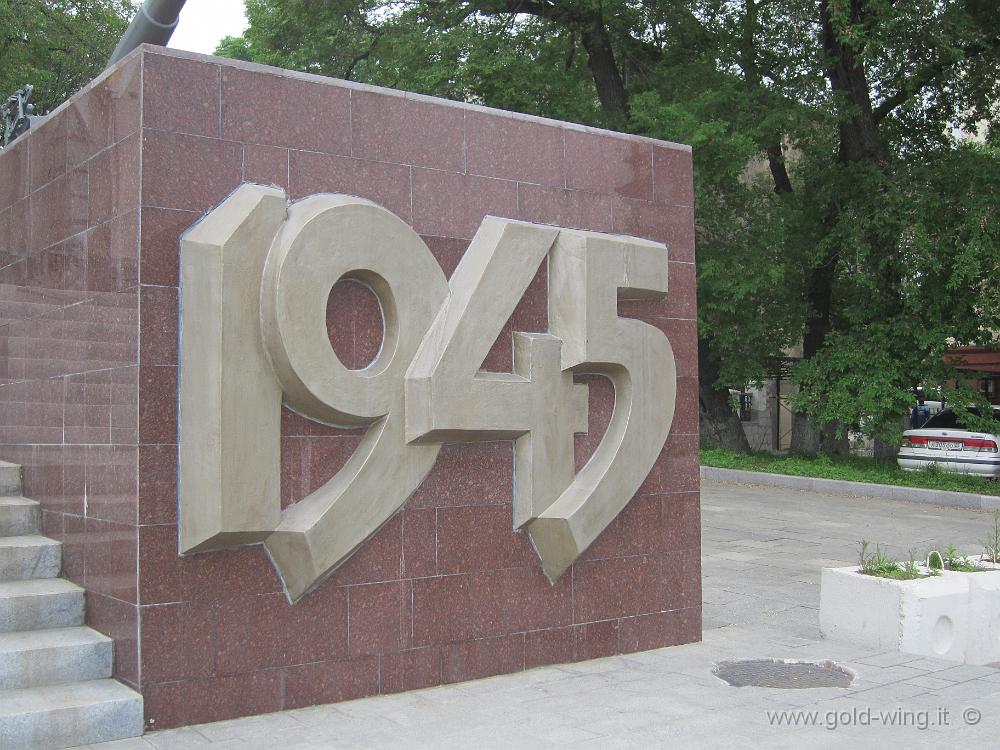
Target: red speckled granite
[{"x": 92, "y": 204}]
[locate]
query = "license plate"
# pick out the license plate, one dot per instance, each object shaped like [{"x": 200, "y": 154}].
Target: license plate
[{"x": 944, "y": 445}]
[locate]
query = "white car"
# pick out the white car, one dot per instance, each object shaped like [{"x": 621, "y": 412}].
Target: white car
[{"x": 943, "y": 442}]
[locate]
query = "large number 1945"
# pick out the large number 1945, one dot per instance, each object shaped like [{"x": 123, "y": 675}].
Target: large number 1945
[{"x": 256, "y": 275}]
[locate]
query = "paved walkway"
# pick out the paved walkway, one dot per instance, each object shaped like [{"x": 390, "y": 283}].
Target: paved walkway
[{"x": 763, "y": 548}]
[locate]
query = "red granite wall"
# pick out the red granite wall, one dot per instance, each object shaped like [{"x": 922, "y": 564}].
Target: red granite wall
[
  {"x": 446, "y": 591},
  {"x": 69, "y": 229}
]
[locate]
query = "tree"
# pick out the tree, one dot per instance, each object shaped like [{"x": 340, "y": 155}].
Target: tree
[
  {"x": 824, "y": 136},
  {"x": 885, "y": 288},
  {"x": 57, "y": 45}
]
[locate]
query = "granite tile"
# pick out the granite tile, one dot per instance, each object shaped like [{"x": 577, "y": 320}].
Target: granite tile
[
  {"x": 278, "y": 111},
  {"x": 160, "y": 246},
  {"x": 178, "y": 642},
  {"x": 473, "y": 660},
  {"x": 385, "y": 184},
  {"x": 118, "y": 620},
  {"x": 410, "y": 670},
  {"x": 375, "y": 624},
  {"x": 573, "y": 209},
  {"x": 157, "y": 404},
  {"x": 111, "y": 550},
  {"x": 183, "y": 96},
  {"x": 407, "y": 131},
  {"x": 595, "y": 640},
  {"x": 47, "y": 144},
  {"x": 59, "y": 209},
  {"x": 157, "y": 484},
  {"x": 265, "y": 165},
  {"x": 473, "y": 538},
  {"x": 14, "y": 167},
  {"x": 331, "y": 681},
  {"x": 448, "y": 204},
  {"x": 605, "y": 164},
  {"x": 672, "y": 176},
  {"x": 258, "y": 632},
  {"x": 174, "y": 704},
  {"x": 188, "y": 172},
  {"x": 553, "y": 646},
  {"x": 514, "y": 149},
  {"x": 158, "y": 316},
  {"x": 114, "y": 177}
]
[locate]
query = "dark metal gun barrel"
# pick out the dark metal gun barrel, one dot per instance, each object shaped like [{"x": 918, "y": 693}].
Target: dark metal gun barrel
[{"x": 154, "y": 23}]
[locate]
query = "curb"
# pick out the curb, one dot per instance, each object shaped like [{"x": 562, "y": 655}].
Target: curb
[{"x": 966, "y": 500}]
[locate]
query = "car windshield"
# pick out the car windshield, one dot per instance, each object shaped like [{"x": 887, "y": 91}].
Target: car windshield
[{"x": 949, "y": 420}]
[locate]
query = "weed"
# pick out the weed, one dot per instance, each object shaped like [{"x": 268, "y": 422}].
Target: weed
[
  {"x": 935, "y": 561},
  {"x": 878, "y": 563},
  {"x": 950, "y": 559},
  {"x": 993, "y": 540}
]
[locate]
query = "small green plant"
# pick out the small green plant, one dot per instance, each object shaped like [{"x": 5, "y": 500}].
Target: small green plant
[
  {"x": 934, "y": 560},
  {"x": 992, "y": 552},
  {"x": 951, "y": 560},
  {"x": 878, "y": 563}
]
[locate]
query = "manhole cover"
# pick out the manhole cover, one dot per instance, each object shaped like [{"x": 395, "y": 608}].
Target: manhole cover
[{"x": 790, "y": 675}]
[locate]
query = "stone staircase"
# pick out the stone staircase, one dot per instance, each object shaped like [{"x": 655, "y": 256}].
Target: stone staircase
[{"x": 55, "y": 673}]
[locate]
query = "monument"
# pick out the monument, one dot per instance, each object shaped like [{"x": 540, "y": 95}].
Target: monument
[{"x": 331, "y": 391}]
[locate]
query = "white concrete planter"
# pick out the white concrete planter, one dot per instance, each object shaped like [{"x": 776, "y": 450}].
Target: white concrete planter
[
  {"x": 983, "y": 645},
  {"x": 953, "y": 616}
]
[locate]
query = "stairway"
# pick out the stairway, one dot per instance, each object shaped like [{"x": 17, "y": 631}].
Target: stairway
[{"x": 55, "y": 673}]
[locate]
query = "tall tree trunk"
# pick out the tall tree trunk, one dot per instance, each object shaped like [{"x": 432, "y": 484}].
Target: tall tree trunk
[
  {"x": 720, "y": 425},
  {"x": 603, "y": 67},
  {"x": 806, "y": 439},
  {"x": 859, "y": 143}
]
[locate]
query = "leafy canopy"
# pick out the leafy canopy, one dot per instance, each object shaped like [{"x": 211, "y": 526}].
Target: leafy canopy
[
  {"x": 838, "y": 195},
  {"x": 57, "y": 45}
]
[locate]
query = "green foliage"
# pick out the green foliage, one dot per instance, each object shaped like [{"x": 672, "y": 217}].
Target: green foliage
[
  {"x": 885, "y": 200},
  {"x": 848, "y": 468},
  {"x": 992, "y": 551},
  {"x": 940, "y": 248},
  {"x": 951, "y": 560},
  {"x": 878, "y": 563},
  {"x": 444, "y": 50},
  {"x": 934, "y": 560},
  {"x": 57, "y": 45}
]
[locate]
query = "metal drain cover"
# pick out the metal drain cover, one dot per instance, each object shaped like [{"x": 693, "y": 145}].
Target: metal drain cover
[{"x": 788, "y": 674}]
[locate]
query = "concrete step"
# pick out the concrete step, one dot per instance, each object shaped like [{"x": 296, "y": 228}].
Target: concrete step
[
  {"x": 58, "y": 716},
  {"x": 19, "y": 516},
  {"x": 10, "y": 478},
  {"x": 40, "y": 604},
  {"x": 35, "y": 658},
  {"x": 29, "y": 556}
]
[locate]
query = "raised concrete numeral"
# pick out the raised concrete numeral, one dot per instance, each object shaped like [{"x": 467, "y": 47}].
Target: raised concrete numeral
[{"x": 255, "y": 282}]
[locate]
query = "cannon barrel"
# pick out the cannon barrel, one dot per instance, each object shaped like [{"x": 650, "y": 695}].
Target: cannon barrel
[{"x": 154, "y": 23}]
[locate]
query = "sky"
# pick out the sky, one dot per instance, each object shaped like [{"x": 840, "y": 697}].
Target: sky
[{"x": 204, "y": 23}]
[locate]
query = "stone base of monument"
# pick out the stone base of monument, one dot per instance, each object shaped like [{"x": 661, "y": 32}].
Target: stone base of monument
[{"x": 952, "y": 616}]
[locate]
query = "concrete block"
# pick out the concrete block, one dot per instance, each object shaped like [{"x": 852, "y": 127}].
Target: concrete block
[
  {"x": 29, "y": 556},
  {"x": 40, "y": 604},
  {"x": 926, "y": 616},
  {"x": 36, "y": 658},
  {"x": 69, "y": 715},
  {"x": 984, "y": 617},
  {"x": 934, "y": 618},
  {"x": 10, "y": 479},
  {"x": 19, "y": 516}
]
